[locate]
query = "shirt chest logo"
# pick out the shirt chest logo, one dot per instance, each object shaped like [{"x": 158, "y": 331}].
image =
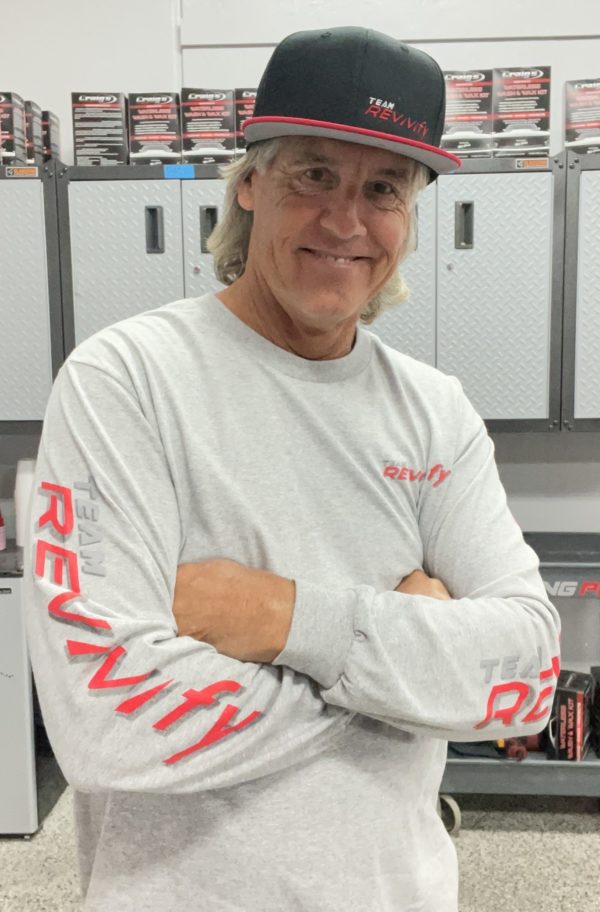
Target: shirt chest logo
[{"x": 436, "y": 475}]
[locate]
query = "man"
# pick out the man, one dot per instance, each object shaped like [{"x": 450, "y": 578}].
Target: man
[{"x": 265, "y": 727}]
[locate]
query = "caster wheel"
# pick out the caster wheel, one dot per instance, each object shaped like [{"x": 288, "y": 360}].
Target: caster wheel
[{"x": 449, "y": 811}]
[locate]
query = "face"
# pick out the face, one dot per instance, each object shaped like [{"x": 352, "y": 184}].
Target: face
[{"x": 330, "y": 220}]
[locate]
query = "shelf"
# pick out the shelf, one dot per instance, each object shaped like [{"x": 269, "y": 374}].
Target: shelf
[{"x": 533, "y": 776}]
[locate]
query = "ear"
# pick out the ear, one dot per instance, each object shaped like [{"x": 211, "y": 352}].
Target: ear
[{"x": 245, "y": 194}]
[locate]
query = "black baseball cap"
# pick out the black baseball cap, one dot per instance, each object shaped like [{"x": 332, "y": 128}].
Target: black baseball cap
[{"x": 357, "y": 85}]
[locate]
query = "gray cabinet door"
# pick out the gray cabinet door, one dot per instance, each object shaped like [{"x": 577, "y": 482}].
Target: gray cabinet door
[
  {"x": 202, "y": 202},
  {"x": 494, "y": 290},
  {"x": 587, "y": 332},
  {"x": 126, "y": 249},
  {"x": 25, "y": 352},
  {"x": 410, "y": 327}
]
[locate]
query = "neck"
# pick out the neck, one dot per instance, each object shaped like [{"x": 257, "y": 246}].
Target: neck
[{"x": 261, "y": 311}]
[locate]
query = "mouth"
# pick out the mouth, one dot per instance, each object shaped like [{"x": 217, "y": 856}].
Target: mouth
[{"x": 332, "y": 258}]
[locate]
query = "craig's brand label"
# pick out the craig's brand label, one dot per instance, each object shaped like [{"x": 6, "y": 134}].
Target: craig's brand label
[
  {"x": 582, "y": 115},
  {"x": 521, "y": 109},
  {"x": 12, "y": 129},
  {"x": 207, "y": 125},
  {"x": 245, "y": 100},
  {"x": 100, "y": 128},
  {"x": 154, "y": 128},
  {"x": 50, "y": 135},
  {"x": 468, "y": 124},
  {"x": 33, "y": 130}
]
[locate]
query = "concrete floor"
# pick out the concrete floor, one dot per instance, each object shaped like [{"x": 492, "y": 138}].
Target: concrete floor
[{"x": 515, "y": 853}]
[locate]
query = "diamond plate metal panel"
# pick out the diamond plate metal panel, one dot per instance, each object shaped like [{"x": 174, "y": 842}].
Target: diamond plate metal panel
[
  {"x": 113, "y": 275},
  {"x": 410, "y": 327},
  {"x": 494, "y": 301},
  {"x": 198, "y": 266},
  {"x": 587, "y": 340},
  {"x": 25, "y": 353}
]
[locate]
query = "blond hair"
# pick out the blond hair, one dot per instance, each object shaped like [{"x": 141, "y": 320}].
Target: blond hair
[{"x": 230, "y": 239}]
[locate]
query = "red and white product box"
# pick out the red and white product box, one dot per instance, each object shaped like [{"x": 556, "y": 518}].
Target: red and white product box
[
  {"x": 582, "y": 115},
  {"x": 50, "y": 135},
  {"x": 521, "y": 108},
  {"x": 33, "y": 133},
  {"x": 13, "y": 148},
  {"x": 244, "y": 109},
  {"x": 207, "y": 125},
  {"x": 154, "y": 128},
  {"x": 468, "y": 124},
  {"x": 100, "y": 128},
  {"x": 569, "y": 726}
]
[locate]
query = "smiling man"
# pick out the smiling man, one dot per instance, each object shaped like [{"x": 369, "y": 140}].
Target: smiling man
[{"x": 305, "y": 574}]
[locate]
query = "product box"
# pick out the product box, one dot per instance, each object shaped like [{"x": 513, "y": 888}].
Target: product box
[
  {"x": 468, "y": 124},
  {"x": 569, "y": 726},
  {"x": 521, "y": 109},
  {"x": 50, "y": 135},
  {"x": 207, "y": 125},
  {"x": 244, "y": 109},
  {"x": 13, "y": 148},
  {"x": 154, "y": 128},
  {"x": 33, "y": 133},
  {"x": 595, "y": 712},
  {"x": 100, "y": 128},
  {"x": 582, "y": 115}
]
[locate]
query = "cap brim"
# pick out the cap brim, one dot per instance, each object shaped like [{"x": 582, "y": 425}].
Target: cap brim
[{"x": 438, "y": 160}]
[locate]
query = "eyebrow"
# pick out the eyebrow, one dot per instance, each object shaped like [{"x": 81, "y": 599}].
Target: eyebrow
[{"x": 312, "y": 158}]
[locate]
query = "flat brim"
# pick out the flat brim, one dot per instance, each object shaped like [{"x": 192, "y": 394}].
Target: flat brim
[{"x": 438, "y": 160}]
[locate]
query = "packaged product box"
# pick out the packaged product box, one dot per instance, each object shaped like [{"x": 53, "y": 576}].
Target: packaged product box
[
  {"x": 521, "y": 109},
  {"x": 244, "y": 109},
  {"x": 33, "y": 133},
  {"x": 50, "y": 135},
  {"x": 569, "y": 726},
  {"x": 468, "y": 124},
  {"x": 100, "y": 128},
  {"x": 207, "y": 125},
  {"x": 154, "y": 128},
  {"x": 13, "y": 148},
  {"x": 582, "y": 115}
]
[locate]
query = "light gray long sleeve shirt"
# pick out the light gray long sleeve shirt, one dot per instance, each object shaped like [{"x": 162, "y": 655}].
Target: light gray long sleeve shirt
[{"x": 309, "y": 784}]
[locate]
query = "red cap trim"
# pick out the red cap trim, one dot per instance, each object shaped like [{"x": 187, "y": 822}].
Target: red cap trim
[{"x": 344, "y": 128}]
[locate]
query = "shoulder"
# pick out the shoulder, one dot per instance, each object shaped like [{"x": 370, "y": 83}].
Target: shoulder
[{"x": 420, "y": 380}]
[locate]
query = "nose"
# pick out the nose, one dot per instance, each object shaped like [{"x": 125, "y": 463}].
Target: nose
[{"x": 342, "y": 214}]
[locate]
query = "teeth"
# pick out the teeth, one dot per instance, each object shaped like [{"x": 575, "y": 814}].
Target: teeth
[{"x": 334, "y": 259}]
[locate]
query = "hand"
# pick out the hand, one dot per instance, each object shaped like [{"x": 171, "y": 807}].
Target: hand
[
  {"x": 418, "y": 583},
  {"x": 244, "y": 613}
]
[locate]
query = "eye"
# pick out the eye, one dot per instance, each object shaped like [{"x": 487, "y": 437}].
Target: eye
[
  {"x": 383, "y": 188},
  {"x": 317, "y": 175}
]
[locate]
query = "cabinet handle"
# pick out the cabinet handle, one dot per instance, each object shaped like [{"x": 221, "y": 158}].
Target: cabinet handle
[
  {"x": 5, "y": 591},
  {"x": 464, "y": 225},
  {"x": 155, "y": 231},
  {"x": 208, "y": 222}
]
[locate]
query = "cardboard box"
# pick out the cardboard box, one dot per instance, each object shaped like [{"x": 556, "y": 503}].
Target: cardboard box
[
  {"x": 569, "y": 726},
  {"x": 521, "y": 109},
  {"x": 13, "y": 149},
  {"x": 468, "y": 124},
  {"x": 100, "y": 128},
  {"x": 33, "y": 133},
  {"x": 244, "y": 109},
  {"x": 582, "y": 115},
  {"x": 154, "y": 128},
  {"x": 207, "y": 125},
  {"x": 50, "y": 135}
]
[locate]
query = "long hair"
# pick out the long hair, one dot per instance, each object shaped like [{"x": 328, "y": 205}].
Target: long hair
[{"x": 230, "y": 239}]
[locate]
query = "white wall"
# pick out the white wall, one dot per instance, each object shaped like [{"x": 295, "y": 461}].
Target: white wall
[{"x": 49, "y": 50}]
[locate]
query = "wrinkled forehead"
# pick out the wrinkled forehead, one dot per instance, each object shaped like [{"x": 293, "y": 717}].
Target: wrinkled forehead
[{"x": 334, "y": 153}]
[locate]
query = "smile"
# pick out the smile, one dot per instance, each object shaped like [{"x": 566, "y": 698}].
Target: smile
[{"x": 331, "y": 258}]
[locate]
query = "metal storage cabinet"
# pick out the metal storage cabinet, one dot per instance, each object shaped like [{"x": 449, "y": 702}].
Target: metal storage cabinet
[
  {"x": 410, "y": 327},
  {"x": 581, "y": 382},
  {"x": 29, "y": 290},
  {"x": 499, "y": 290},
  {"x": 124, "y": 234},
  {"x": 202, "y": 202},
  {"x": 18, "y": 797}
]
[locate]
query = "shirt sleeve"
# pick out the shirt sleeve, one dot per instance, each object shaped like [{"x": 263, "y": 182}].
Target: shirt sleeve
[
  {"x": 480, "y": 666},
  {"x": 128, "y": 705}
]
